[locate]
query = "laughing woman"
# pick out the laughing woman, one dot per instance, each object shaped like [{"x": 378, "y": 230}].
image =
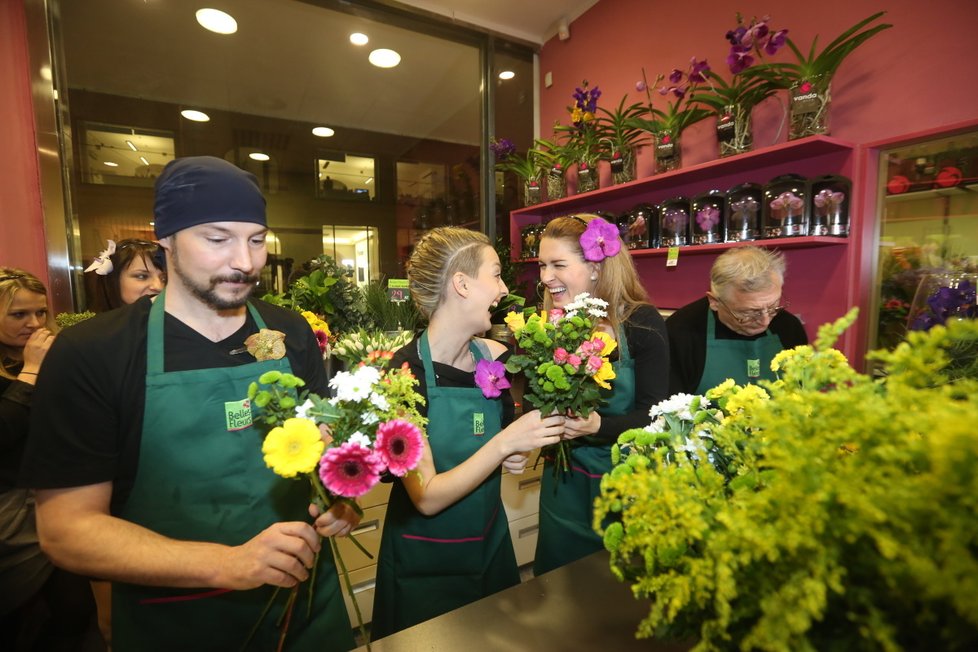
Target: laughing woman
[
  {"x": 583, "y": 253},
  {"x": 33, "y": 593},
  {"x": 446, "y": 541}
]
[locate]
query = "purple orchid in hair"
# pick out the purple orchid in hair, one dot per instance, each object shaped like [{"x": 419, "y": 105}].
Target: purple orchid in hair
[
  {"x": 600, "y": 240},
  {"x": 490, "y": 377}
]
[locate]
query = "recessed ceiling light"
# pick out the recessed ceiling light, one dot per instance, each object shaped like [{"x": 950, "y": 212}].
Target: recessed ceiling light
[
  {"x": 110, "y": 164},
  {"x": 217, "y": 21},
  {"x": 143, "y": 159},
  {"x": 322, "y": 132},
  {"x": 507, "y": 74},
  {"x": 196, "y": 116},
  {"x": 259, "y": 156},
  {"x": 384, "y": 58},
  {"x": 356, "y": 38},
  {"x": 132, "y": 146}
]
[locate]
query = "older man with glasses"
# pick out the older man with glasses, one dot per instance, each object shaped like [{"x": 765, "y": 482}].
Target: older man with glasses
[{"x": 737, "y": 328}]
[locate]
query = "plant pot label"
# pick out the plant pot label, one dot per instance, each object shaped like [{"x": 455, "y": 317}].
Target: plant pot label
[
  {"x": 617, "y": 163},
  {"x": 803, "y": 103},
  {"x": 665, "y": 150},
  {"x": 726, "y": 128}
]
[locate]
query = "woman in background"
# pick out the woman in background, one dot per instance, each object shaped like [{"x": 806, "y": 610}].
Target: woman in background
[
  {"x": 34, "y": 595},
  {"x": 125, "y": 271},
  {"x": 572, "y": 263},
  {"x": 446, "y": 540}
]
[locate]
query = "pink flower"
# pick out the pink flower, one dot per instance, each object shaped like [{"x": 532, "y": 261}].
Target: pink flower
[
  {"x": 600, "y": 240},
  {"x": 574, "y": 360},
  {"x": 350, "y": 469},
  {"x": 490, "y": 376},
  {"x": 556, "y": 314},
  {"x": 586, "y": 347},
  {"x": 594, "y": 364},
  {"x": 399, "y": 445},
  {"x": 322, "y": 338},
  {"x": 560, "y": 355},
  {"x": 805, "y": 87}
]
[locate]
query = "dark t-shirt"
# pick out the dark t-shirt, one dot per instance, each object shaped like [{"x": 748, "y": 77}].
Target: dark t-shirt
[
  {"x": 87, "y": 415},
  {"x": 15, "y": 414},
  {"x": 687, "y": 341}
]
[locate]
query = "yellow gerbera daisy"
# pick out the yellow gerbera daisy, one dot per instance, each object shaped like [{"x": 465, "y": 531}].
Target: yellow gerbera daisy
[{"x": 294, "y": 447}]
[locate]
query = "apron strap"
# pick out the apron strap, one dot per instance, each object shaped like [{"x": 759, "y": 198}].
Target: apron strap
[{"x": 154, "y": 335}]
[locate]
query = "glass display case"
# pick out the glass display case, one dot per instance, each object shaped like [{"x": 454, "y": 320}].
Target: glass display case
[{"x": 928, "y": 226}]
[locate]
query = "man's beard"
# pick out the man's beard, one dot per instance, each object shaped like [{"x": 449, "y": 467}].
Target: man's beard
[{"x": 208, "y": 293}]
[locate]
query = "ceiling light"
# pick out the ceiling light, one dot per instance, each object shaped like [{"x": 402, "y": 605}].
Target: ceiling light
[
  {"x": 322, "y": 132},
  {"x": 131, "y": 146},
  {"x": 143, "y": 159},
  {"x": 259, "y": 156},
  {"x": 217, "y": 21},
  {"x": 370, "y": 180},
  {"x": 356, "y": 38},
  {"x": 384, "y": 58},
  {"x": 196, "y": 116},
  {"x": 507, "y": 74},
  {"x": 111, "y": 164}
]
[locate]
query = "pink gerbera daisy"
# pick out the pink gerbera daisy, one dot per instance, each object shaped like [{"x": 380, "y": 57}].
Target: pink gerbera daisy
[
  {"x": 350, "y": 469},
  {"x": 399, "y": 444}
]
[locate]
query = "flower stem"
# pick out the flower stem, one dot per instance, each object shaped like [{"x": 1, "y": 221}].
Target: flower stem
[
  {"x": 287, "y": 618},
  {"x": 261, "y": 617},
  {"x": 328, "y": 502},
  {"x": 349, "y": 590}
]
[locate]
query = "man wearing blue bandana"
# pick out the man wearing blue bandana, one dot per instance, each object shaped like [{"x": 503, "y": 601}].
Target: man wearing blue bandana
[{"x": 148, "y": 470}]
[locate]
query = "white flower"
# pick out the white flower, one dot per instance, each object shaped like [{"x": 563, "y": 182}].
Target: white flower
[
  {"x": 380, "y": 402},
  {"x": 303, "y": 410},
  {"x": 361, "y": 439},
  {"x": 658, "y": 425},
  {"x": 369, "y": 418},
  {"x": 352, "y": 387},
  {"x": 678, "y": 405}
]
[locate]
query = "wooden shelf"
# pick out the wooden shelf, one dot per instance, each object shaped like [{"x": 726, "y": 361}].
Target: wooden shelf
[{"x": 806, "y": 242}]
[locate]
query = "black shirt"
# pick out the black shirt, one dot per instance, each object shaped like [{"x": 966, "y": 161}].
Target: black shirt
[
  {"x": 687, "y": 341},
  {"x": 15, "y": 415},
  {"x": 87, "y": 416}
]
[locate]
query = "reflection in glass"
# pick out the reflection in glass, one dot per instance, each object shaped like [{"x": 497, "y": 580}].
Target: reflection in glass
[{"x": 122, "y": 155}]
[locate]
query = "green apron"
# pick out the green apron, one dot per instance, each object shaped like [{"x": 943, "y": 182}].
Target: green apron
[
  {"x": 201, "y": 476},
  {"x": 746, "y": 361},
  {"x": 567, "y": 501},
  {"x": 430, "y": 565}
]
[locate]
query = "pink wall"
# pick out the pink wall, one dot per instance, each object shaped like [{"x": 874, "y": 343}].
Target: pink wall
[
  {"x": 21, "y": 218},
  {"x": 917, "y": 75}
]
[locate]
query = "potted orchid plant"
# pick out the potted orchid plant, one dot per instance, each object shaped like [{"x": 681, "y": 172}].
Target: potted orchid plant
[
  {"x": 619, "y": 134},
  {"x": 529, "y": 168},
  {"x": 809, "y": 78},
  {"x": 667, "y": 126},
  {"x": 582, "y": 136}
]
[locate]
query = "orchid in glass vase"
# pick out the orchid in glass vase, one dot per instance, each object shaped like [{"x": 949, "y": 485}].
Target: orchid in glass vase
[
  {"x": 621, "y": 137},
  {"x": 667, "y": 126},
  {"x": 373, "y": 425},
  {"x": 582, "y": 136},
  {"x": 529, "y": 168},
  {"x": 808, "y": 79},
  {"x": 565, "y": 361},
  {"x": 733, "y": 101}
]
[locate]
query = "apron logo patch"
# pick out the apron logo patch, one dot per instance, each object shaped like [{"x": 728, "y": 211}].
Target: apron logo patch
[
  {"x": 478, "y": 424},
  {"x": 753, "y": 368},
  {"x": 237, "y": 414}
]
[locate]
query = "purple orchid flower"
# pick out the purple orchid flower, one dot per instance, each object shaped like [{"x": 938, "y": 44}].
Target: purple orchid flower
[
  {"x": 739, "y": 59},
  {"x": 707, "y": 218},
  {"x": 776, "y": 41},
  {"x": 490, "y": 377},
  {"x": 675, "y": 76},
  {"x": 600, "y": 240},
  {"x": 502, "y": 148},
  {"x": 698, "y": 70}
]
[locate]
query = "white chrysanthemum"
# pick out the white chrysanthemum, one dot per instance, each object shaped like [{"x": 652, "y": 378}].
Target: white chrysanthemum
[
  {"x": 380, "y": 402},
  {"x": 369, "y": 418},
  {"x": 356, "y": 386},
  {"x": 597, "y": 312},
  {"x": 360, "y": 438},
  {"x": 302, "y": 411},
  {"x": 678, "y": 404},
  {"x": 658, "y": 425}
]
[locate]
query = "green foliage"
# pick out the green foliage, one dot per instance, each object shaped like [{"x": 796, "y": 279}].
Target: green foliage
[
  {"x": 616, "y": 129},
  {"x": 386, "y": 315},
  {"x": 851, "y": 523},
  {"x": 66, "y": 319},
  {"x": 745, "y": 90},
  {"x": 326, "y": 290}
]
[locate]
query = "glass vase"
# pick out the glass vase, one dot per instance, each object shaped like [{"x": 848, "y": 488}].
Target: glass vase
[
  {"x": 734, "y": 134},
  {"x": 587, "y": 177},
  {"x": 556, "y": 183},
  {"x": 532, "y": 194},
  {"x": 622, "y": 166},
  {"x": 809, "y": 109},
  {"x": 668, "y": 153},
  {"x": 941, "y": 298}
]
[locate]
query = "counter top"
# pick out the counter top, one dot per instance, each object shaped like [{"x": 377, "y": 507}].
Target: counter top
[{"x": 578, "y": 607}]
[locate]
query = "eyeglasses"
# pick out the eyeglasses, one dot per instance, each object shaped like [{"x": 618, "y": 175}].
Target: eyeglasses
[{"x": 753, "y": 316}]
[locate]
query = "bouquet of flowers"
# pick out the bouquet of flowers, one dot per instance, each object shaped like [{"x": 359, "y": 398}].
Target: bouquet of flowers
[
  {"x": 564, "y": 359},
  {"x": 372, "y": 347},
  {"x": 374, "y": 427}
]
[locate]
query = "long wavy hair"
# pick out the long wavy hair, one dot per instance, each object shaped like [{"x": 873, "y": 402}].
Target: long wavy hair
[
  {"x": 618, "y": 282},
  {"x": 12, "y": 280}
]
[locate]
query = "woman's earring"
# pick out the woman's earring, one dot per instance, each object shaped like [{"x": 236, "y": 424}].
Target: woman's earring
[
  {"x": 540, "y": 290},
  {"x": 594, "y": 277}
]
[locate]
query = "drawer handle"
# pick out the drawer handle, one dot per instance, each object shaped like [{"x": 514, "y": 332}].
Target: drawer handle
[
  {"x": 364, "y": 586},
  {"x": 527, "y": 531},
  {"x": 369, "y": 526},
  {"x": 529, "y": 482}
]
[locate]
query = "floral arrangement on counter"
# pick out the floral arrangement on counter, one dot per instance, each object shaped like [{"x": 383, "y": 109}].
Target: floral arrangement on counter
[
  {"x": 374, "y": 428},
  {"x": 814, "y": 512},
  {"x": 564, "y": 359}
]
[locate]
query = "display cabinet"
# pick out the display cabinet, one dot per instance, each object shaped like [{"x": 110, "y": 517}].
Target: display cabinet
[{"x": 819, "y": 286}]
